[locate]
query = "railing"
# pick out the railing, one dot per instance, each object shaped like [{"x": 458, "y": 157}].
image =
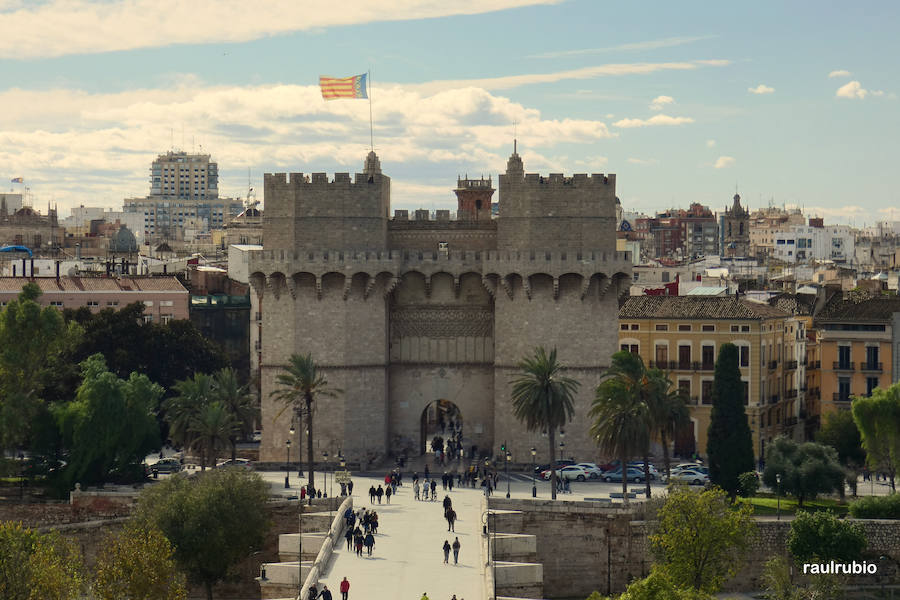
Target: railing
[
  {"x": 790, "y": 421},
  {"x": 843, "y": 366},
  {"x": 790, "y": 394},
  {"x": 790, "y": 365},
  {"x": 871, "y": 367},
  {"x": 773, "y": 399},
  {"x": 813, "y": 393},
  {"x": 685, "y": 365},
  {"x": 773, "y": 364},
  {"x": 839, "y": 397},
  {"x": 707, "y": 366}
]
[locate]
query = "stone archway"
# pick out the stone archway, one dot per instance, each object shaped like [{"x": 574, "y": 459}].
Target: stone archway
[{"x": 440, "y": 419}]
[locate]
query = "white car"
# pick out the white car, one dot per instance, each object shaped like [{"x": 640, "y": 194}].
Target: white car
[
  {"x": 242, "y": 463},
  {"x": 654, "y": 473},
  {"x": 592, "y": 470},
  {"x": 690, "y": 477},
  {"x": 571, "y": 472}
]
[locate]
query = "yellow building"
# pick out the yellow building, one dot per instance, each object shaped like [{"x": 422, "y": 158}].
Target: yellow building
[
  {"x": 859, "y": 347},
  {"x": 683, "y": 334}
]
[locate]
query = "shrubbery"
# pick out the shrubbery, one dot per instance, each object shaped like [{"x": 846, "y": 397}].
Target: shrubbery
[{"x": 876, "y": 507}]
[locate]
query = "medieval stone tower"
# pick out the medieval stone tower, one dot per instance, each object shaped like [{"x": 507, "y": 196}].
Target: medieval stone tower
[
  {"x": 421, "y": 322},
  {"x": 735, "y": 230}
]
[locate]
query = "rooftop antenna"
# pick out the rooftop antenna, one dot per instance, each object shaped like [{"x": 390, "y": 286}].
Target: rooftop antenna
[{"x": 515, "y": 135}]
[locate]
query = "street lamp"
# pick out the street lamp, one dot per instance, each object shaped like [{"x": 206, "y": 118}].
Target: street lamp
[
  {"x": 487, "y": 484},
  {"x": 778, "y": 494},
  {"x": 533, "y": 486},
  {"x": 287, "y": 465},
  {"x": 324, "y": 475},
  {"x": 508, "y": 458}
]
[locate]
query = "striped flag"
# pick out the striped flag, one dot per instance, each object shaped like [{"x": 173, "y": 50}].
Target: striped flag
[
  {"x": 334, "y": 88},
  {"x": 17, "y": 180}
]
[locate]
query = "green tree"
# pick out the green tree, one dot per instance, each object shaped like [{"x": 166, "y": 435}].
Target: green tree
[
  {"x": 213, "y": 521},
  {"x": 658, "y": 585},
  {"x": 183, "y": 410},
  {"x": 300, "y": 386},
  {"x": 240, "y": 404},
  {"x": 840, "y": 432},
  {"x": 878, "y": 420},
  {"x": 543, "y": 398},
  {"x": 668, "y": 410},
  {"x": 138, "y": 564},
  {"x": 820, "y": 536},
  {"x": 749, "y": 484},
  {"x": 729, "y": 443},
  {"x": 110, "y": 426},
  {"x": 780, "y": 584},
  {"x": 213, "y": 427},
  {"x": 806, "y": 470},
  {"x": 621, "y": 415},
  {"x": 30, "y": 340},
  {"x": 37, "y": 567},
  {"x": 700, "y": 537}
]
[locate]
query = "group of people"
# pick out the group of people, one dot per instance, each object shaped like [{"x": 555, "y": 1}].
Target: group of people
[
  {"x": 361, "y": 530},
  {"x": 325, "y": 594}
]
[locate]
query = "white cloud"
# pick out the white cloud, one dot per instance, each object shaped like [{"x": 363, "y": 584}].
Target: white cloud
[
  {"x": 273, "y": 128},
  {"x": 654, "y": 120},
  {"x": 710, "y": 143},
  {"x": 724, "y": 162},
  {"x": 761, "y": 89},
  {"x": 839, "y": 73},
  {"x": 643, "y": 161},
  {"x": 646, "y": 45},
  {"x": 878, "y": 92},
  {"x": 660, "y": 102},
  {"x": 512, "y": 81},
  {"x": 852, "y": 89},
  {"x": 81, "y": 26}
]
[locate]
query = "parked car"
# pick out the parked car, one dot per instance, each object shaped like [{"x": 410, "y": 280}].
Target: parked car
[
  {"x": 633, "y": 474},
  {"x": 238, "y": 462},
  {"x": 690, "y": 476},
  {"x": 563, "y": 462},
  {"x": 166, "y": 465},
  {"x": 592, "y": 470},
  {"x": 570, "y": 472},
  {"x": 654, "y": 473}
]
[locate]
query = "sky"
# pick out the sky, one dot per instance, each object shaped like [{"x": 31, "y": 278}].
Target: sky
[{"x": 791, "y": 103}]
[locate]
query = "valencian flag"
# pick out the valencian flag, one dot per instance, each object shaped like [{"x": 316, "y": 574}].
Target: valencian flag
[
  {"x": 17, "y": 180},
  {"x": 334, "y": 88}
]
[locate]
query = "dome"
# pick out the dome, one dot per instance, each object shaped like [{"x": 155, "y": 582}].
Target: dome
[{"x": 123, "y": 241}]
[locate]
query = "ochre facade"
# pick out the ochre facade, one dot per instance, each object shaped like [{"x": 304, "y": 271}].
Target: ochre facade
[{"x": 406, "y": 314}]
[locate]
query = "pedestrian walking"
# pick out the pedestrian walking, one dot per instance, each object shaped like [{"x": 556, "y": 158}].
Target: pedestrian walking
[
  {"x": 447, "y": 502},
  {"x": 456, "y": 551},
  {"x": 313, "y": 592},
  {"x": 450, "y": 515},
  {"x": 350, "y": 487},
  {"x": 326, "y": 593},
  {"x": 349, "y": 537},
  {"x": 446, "y": 552},
  {"x": 433, "y": 489},
  {"x": 370, "y": 543},
  {"x": 416, "y": 489},
  {"x": 388, "y": 492},
  {"x": 450, "y": 482},
  {"x": 358, "y": 540},
  {"x": 345, "y": 588},
  {"x": 379, "y": 493},
  {"x": 372, "y": 495}
]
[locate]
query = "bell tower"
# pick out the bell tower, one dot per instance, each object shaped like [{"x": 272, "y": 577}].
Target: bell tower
[{"x": 473, "y": 198}]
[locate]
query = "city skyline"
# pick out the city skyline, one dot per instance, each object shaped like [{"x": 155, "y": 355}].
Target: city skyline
[{"x": 791, "y": 104}]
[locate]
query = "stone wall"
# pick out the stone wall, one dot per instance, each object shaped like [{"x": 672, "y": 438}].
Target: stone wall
[{"x": 586, "y": 547}]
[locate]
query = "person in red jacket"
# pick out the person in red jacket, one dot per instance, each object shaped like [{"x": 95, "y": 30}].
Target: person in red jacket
[{"x": 345, "y": 587}]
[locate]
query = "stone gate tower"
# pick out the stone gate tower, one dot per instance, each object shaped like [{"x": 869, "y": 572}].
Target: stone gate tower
[{"x": 412, "y": 318}]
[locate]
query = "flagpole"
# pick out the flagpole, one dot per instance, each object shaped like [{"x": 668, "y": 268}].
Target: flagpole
[{"x": 371, "y": 127}]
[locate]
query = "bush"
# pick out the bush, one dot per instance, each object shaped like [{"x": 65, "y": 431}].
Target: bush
[
  {"x": 748, "y": 484},
  {"x": 876, "y": 507},
  {"x": 658, "y": 586},
  {"x": 822, "y": 536}
]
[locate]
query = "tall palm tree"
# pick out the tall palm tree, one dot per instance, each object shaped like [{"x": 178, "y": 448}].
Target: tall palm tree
[
  {"x": 668, "y": 409},
  {"x": 543, "y": 399},
  {"x": 239, "y": 402},
  {"x": 183, "y": 408},
  {"x": 213, "y": 426},
  {"x": 301, "y": 385}
]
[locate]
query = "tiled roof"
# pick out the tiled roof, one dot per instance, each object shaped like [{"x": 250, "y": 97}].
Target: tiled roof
[
  {"x": 859, "y": 309},
  {"x": 796, "y": 304},
  {"x": 94, "y": 284},
  {"x": 696, "y": 307}
]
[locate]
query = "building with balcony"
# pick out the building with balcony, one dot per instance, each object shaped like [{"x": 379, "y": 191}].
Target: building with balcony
[{"x": 683, "y": 334}]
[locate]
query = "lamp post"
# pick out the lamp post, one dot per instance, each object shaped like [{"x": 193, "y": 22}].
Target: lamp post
[
  {"x": 508, "y": 458},
  {"x": 324, "y": 474},
  {"x": 487, "y": 484},
  {"x": 533, "y": 486},
  {"x": 287, "y": 465},
  {"x": 778, "y": 494}
]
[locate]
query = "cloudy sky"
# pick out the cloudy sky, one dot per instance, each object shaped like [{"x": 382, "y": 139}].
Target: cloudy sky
[{"x": 793, "y": 102}]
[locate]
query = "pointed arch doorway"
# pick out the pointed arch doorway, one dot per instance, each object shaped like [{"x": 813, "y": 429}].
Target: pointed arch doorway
[{"x": 440, "y": 419}]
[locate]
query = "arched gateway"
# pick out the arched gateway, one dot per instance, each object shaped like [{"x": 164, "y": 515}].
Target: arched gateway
[{"x": 440, "y": 425}]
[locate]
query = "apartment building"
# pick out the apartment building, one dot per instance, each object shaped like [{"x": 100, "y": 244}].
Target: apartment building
[{"x": 683, "y": 334}]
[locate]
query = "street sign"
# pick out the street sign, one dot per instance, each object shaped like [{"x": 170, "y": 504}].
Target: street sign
[{"x": 342, "y": 476}]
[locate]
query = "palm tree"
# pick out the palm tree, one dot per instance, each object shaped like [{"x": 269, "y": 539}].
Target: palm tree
[
  {"x": 543, "y": 398},
  {"x": 182, "y": 409},
  {"x": 668, "y": 410},
  {"x": 238, "y": 401},
  {"x": 620, "y": 425},
  {"x": 213, "y": 426},
  {"x": 301, "y": 385}
]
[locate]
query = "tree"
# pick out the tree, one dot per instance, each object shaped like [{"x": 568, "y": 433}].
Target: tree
[
  {"x": 659, "y": 586},
  {"x": 37, "y": 567},
  {"x": 138, "y": 564},
  {"x": 780, "y": 584},
  {"x": 840, "y": 432},
  {"x": 700, "y": 537},
  {"x": 878, "y": 420},
  {"x": 301, "y": 385},
  {"x": 213, "y": 427},
  {"x": 806, "y": 470},
  {"x": 729, "y": 444},
  {"x": 749, "y": 484},
  {"x": 239, "y": 403},
  {"x": 668, "y": 410},
  {"x": 620, "y": 413},
  {"x": 544, "y": 399},
  {"x": 822, "y": 537},
  {"x": 110, "y": 426},
  {"x": 183, "y": 410},
  {"x": 213, "y": 520}
]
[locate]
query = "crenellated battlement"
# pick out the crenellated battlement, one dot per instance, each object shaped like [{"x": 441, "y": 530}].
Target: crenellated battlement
[
  {"x": 578, "y": 179},
  {"x": 320, "y": 180}
]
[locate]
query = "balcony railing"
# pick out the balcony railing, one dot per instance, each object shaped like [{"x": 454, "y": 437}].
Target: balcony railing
[
  {"x": 790, "y": 394},
  {"x": 843, "y": 366},
  {"x": 684, "y": 365},
  {"x": 813, "y": 393},
  {"x": 773, "y": 399},
  {"x": 773, "y": 364},
  {"x": 839, "y": 397},
  {"x": 790, "y": 421},
  {"x": 790, "y": 365},
  {"x": 871, "y": 367}
]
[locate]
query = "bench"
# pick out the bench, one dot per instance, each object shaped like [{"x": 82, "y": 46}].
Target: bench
[{"x": 598, "y": 500}]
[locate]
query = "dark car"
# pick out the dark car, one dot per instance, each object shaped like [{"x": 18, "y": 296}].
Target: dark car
[
  {"x": 166, "y": 465},
  {"x": 563, "y": 462}
]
